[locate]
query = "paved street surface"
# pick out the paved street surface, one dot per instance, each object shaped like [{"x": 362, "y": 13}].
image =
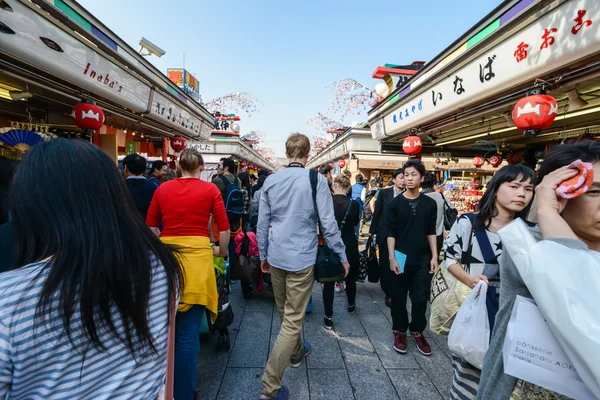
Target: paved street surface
[{"x": 354, "y": 361}]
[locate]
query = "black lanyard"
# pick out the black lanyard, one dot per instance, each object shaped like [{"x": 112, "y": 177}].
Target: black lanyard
[{"x": 295, "y": 165}]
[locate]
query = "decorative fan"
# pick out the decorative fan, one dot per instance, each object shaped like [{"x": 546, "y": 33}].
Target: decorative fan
[{"x": 20, "y": 139}]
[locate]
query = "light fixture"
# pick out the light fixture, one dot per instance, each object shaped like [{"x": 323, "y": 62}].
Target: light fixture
[
  {"x": 575, "y": 100},
  {"x": 125, "y": 130},
  {"x": 132, "y": 133},
  {"x": 570, "y": 115},
  {"x": 15, "y": 95}
]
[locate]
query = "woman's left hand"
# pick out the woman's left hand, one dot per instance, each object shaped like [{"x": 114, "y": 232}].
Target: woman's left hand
[
  {"x": 545, "y": 193},
  {"x": 216, "y": 251}
]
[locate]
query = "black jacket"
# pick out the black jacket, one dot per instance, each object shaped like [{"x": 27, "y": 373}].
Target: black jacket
[
  {"x": 142, "y": 191},
  {"x": 378, "y": 223}
]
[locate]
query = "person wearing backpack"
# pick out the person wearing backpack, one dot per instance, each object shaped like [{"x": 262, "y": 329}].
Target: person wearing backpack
[
  {"x": 359, "y": 193},
  {"x": 442, "y": 204}
]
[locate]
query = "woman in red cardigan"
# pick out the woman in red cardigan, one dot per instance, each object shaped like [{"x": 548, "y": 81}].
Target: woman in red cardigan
[{"x": 184, "y": 206}]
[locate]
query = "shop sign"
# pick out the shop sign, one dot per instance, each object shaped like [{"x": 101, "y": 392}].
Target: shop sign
[
  {"x": 186, "y": 81},
  {"x": 130, "y": 148},
  {"x": 201, "y": 147},
  {"x": 35, "y": 40},
  {"x": 339, "y": 151},
  {"x": 561, "y": 37},
  {"x": 174, "y": 115}
]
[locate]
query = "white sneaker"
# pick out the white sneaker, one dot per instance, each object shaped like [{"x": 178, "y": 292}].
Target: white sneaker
[{"x": 338, "y": 287}]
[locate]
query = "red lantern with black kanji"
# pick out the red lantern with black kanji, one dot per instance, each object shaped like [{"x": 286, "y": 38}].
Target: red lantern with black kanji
[
  {"x": 88, "y": 115},
  {"x": 478, "y": 161},
  {"x": 341, "y": 163},
  {"x": 178, "y": 143},
  {"x": 535, "y": 113},
  {"x": 495, "y": 160},
  {"x": 516, "y": 157},
  {"x": 412, "y": 145}
]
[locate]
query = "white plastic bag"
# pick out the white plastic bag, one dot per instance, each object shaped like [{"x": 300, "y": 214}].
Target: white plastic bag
[
  {"x": 565, "y": 284},
  {"x": 469, "y": 336}
]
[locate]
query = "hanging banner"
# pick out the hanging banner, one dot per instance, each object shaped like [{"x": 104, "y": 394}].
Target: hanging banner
[{"x": 130, "y": 148}]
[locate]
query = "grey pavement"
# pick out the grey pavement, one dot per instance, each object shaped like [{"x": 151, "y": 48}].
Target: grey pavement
[{"x": 355, "y": 361}]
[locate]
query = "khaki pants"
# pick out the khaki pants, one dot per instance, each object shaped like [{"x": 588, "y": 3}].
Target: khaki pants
[{"x": 292, "y": 291}]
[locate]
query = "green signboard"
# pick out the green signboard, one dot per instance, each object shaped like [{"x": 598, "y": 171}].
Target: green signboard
[{"x": 130, "y": 148}]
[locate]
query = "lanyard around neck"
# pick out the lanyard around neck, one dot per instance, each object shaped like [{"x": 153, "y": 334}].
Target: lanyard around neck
[{"x": 295, "y": 165}]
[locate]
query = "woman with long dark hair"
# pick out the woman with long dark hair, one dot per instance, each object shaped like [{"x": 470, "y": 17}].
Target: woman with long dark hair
[
  {"x": 184, "y": 206},
  {"x": 574, "y": 224},
  {"x": 473, "y": 247},
  {"x": 86, "y": 314}
]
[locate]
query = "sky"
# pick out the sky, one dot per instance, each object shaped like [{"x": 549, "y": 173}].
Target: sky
[{"x": 285, "y": 52}]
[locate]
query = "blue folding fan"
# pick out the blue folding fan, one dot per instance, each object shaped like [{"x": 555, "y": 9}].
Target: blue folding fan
[{"x": 20, "y": 139}]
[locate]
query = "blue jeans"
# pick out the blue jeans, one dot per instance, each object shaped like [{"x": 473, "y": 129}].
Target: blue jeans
[{"x": 187, "y": 347}]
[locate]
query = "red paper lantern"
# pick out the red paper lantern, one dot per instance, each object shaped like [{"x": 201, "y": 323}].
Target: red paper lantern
[
  {"x": 516, "y": 157},
  {"x": 178, "y": 143},
  {"x": 412, "y": 145},
  {"x": 341, "y": 163},
  {"x": 243, "y": 164},
  {"x": 478, "y": 161},
  {"x": 88, "y": 116},
  {"x": 332, "y": 165},
  {"x": 495, "y": 160},
  {"x": 535, "y": 113}
]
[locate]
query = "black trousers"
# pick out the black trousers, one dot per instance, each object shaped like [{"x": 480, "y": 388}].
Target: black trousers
[
  {"x": 328, "y": 293},
  {"x": 386, "y": 276},
  {"x": 414, "y": 282}
]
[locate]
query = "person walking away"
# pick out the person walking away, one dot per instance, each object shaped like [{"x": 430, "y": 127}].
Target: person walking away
[
  {"x": 346, "y": 214},
  {"x": 184, "y": 205},
  {"x": 247, "y": 190},
  {"x": 572, "y": 223},
  {"x": 254, "y": 205},
  {"x": 359, "y": 193},
  {"x": 254, "y": 183},
  {"x": 157, "y": 172},
  {"x": 141, "y": 189},
  {"x": 411, "y": 222},
  {"x": 7, "y": 237},
  {"x": 441, "y": 201},
  {"x": 473, "y": 247},
  {"x": 95, "y": 288},
  {"x": 287, "y": 206},
  {"x": 325, "y": 170},
  {"x": 378, "y": 230}
]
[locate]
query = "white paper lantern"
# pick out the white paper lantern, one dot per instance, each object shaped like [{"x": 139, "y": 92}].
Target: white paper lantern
[
  {"x": 382, "y": 89},
  {"x": 236, "y": 128}
]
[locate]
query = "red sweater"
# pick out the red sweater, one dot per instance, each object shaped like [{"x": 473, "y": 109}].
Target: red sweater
[{"x": 185, "y": 205}]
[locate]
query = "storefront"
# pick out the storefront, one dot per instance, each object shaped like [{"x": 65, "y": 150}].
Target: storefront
[
  {"x": 55, "y": 54},
  {"x": 464, "y": 98}
]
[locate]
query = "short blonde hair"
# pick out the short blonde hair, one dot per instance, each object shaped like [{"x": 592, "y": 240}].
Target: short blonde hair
[
  {"x": 297, "y": 146},
  {"x": 190, "y": 160}
]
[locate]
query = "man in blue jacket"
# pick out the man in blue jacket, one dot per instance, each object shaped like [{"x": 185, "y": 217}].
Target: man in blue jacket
[
  {"x": 358, "y": 193},
  {"x": 141, "y": 189}
]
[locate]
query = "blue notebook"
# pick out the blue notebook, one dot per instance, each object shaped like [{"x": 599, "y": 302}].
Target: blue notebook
[{"x": 400, "y": 259}]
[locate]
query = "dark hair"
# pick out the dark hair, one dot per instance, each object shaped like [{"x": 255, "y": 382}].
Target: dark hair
[
  {"x": 135, "y": 163},
  {"x": 7, "y": 171},
  {"x": 245, "y": 179},
  {"x": 157, "y": 165},
  {"x": 399, "y": 171},
  {"x": 416, "y": 164},
  {"x": 230, "y": 165},
  {"x": 190, "y": 160},
  {"x": 359, "y": 178},
  {"x": 261, "y": 181},
  {"x": 253, "y": 177},
  {"x": 86, "y": 220},
  {"x": 508, "y": 173},
  {"x": 325, "y": 169},
  {"x": 428, "y": 180},
  {"x": 263, "y": 172},
  {"x": 565, "y": 154}
]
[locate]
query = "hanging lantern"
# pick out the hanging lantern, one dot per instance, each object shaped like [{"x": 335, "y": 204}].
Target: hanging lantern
[
  {"x": 341, "y": 163},
  {"x": 516, "y": 157},
  {"x": 478, "y": 161},
  {"x": 412, "y": 145},
  {"x": 243, "y": 164},
  {"x": 178, "y": 143},
  {"x": 535, "y": 113},
  {"x": 87, "y": 115},
  {"x": 332, "y": 165},
  {"x": 495, "y": 160}
]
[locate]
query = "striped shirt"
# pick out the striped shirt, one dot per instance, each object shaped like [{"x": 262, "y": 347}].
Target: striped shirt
[{"x": 37, "y": 361}]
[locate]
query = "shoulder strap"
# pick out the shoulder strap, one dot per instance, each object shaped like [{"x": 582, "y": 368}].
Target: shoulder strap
[
  {"x": 445, "y": 201},
  {"x": 346, "y": 216},
  {"x": 313, "y": 184},
  {"x": 484, "y": 245},
  {"x": 225, "y": 181}
]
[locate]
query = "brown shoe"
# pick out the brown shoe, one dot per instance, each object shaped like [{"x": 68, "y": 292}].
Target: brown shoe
[
  {"x": 388, "y": 302},
  {"x": 422, "y": 344},
  {"x": 400, "y": 342}
]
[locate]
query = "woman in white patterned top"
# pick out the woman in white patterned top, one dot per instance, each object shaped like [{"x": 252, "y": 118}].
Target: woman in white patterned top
[
  {"x": 84, "y": 313},
  {"x": 472, "y": 249}
]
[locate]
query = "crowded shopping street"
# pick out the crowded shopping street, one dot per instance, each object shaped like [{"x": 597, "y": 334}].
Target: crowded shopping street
[{"x": 299, "y": 200}]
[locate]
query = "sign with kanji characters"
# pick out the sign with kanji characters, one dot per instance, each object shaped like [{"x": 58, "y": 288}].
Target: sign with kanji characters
[
  {"x": 201, "y": 147},
  {"x": 130, "y": 148},
  {"x": 561, "y": 37}
]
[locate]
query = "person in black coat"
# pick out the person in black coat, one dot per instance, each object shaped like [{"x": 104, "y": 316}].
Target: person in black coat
[
  {"x": 141, "y": 189},
  {"x": 7, "y": 238},
  {"x": 347, "y": 215},
  {"x": 379, "y": 229}
]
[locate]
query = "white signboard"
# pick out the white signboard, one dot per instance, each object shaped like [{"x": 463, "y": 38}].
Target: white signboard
[
  {"x": 561, "y": 37},
  {"x": 201, "y": 147},
  {"x": 174, "y": 115},
  {"x": 35, "y": 40}
]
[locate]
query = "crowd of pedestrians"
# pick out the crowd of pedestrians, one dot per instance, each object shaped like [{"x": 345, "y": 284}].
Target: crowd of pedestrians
[{"x": 111, "y": 274}]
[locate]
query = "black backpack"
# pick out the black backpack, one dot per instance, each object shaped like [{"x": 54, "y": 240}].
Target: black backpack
[{"x": 233, "y": 197}]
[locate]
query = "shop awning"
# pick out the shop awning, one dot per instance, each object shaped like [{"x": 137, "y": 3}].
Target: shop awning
[{"x": 380, "y": 161}]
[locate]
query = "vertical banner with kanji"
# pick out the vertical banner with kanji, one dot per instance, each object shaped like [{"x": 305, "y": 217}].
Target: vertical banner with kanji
[{"x": 130, "y": 148}]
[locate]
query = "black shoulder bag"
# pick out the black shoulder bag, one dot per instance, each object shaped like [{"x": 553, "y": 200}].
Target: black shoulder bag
[
  {"x": 450, "y": 214},
  {"x": 328, "y": 266}
]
